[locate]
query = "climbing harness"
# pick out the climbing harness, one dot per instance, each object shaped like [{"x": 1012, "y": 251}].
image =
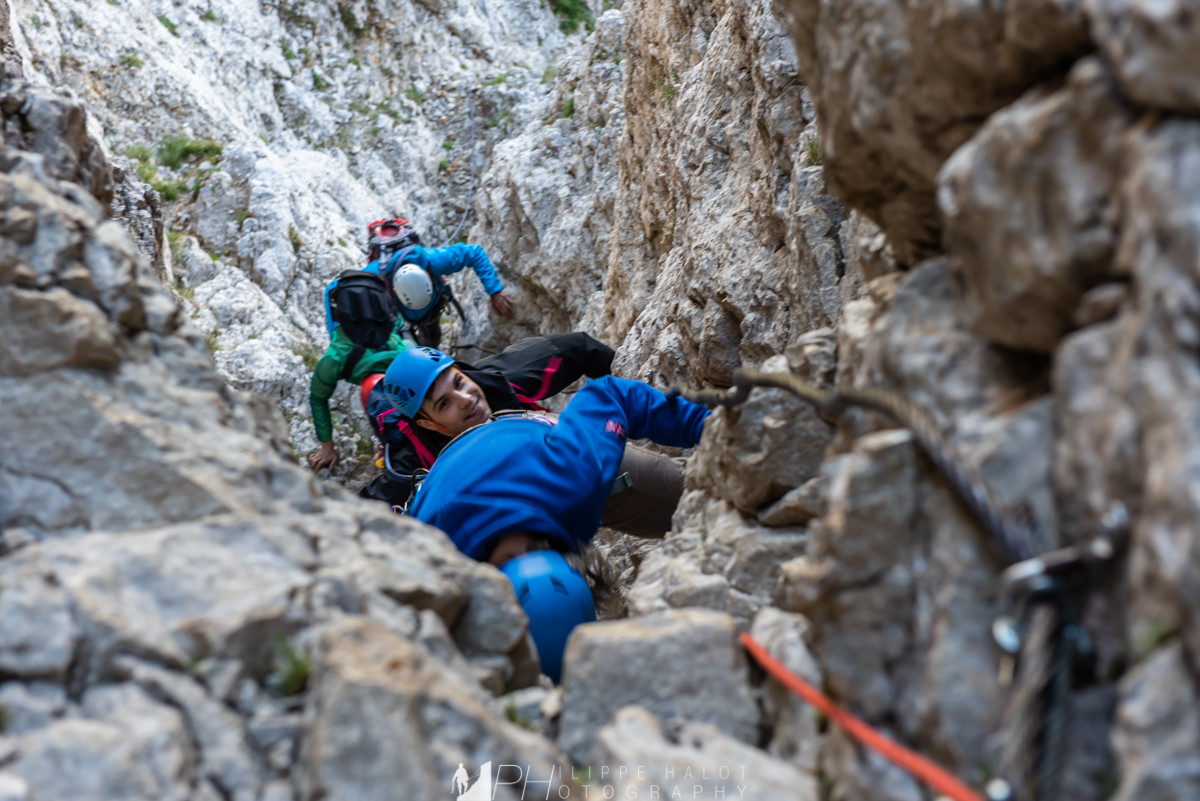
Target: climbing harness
[{"x": 1043, "y": 594}]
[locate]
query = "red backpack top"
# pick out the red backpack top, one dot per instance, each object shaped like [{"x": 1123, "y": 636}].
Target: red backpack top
[{"x": 385, "y": 237}]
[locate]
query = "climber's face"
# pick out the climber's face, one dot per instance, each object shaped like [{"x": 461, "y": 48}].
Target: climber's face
[{"x": 454, "y": 404}]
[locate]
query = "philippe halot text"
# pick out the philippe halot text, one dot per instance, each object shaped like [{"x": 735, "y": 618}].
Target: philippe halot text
[{"x": 610, "y": 782}]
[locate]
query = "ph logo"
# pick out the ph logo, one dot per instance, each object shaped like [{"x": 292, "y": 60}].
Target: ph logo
[{"x": 481, "y": 790}]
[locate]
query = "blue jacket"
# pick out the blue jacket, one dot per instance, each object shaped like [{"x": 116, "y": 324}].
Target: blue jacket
[
  {"x": 525, "y": 475},
  {"x": 440, "y": 262}
]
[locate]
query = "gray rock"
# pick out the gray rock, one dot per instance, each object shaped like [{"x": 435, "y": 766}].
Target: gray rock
[
  {"x": 794, "y": 725},
  {"x": 863, "y": 582},
  {"x": 139, "y": 210},
  {"x": 38, "y": 639},
  {"x": 532, "y": 708},
  {"x": 1124, "y": 391},
  {"x": 48, "y": 330},
  {"x": 41, "y": 121},
  {"x": 383, "y": 720},
  {"x": 952, "y": 65},
  {"x": 616, "y": 663},
  {"x": 129, "y": 747},
  {"x": 30, "y": 706},
  {"x": 1029, "y": 209},
  {"x": 13, "y": 788},
  {"x": 797, "y": 506},
  {"x": 1154, "y": 49},
  {"x": 913, "y": 343},
  {"x": 755, "y": 454},
  {"x": 223, "y": 588},
  {"x": 636, "y": 758},
  {"x": 546, "y": 204},
  {"x": 1156, "y": 734},
  {"x": 857, "y": 772},
  {"x": 718, "y": 126},
  {"x": 223, "y": 752},
  {"x": 278, "y": 791},
  {"x": 715, "y": 559}
]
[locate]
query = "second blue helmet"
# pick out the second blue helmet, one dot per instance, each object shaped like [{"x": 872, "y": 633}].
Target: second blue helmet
[
  {"x": 410, "y": 375},
  {"x": 556, "y": 599}
]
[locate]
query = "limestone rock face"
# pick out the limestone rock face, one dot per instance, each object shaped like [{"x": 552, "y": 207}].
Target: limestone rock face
[
  {"x": 189, "y": 614},
  {"x": 717, "y": 559},
  {"x": 728, "y": 246},
  {"x": 1158, "y": 706},
  {"x": 385, "y": 722},
  {"x": 546, "y": 203},
  {"x": 41, "y": 121},
  {"x": 1124, "y": 387},
  {"x": 272, "y": 134},
  {"x": 1023, "y": 272},
  {"x": 687, "y": 256},
  {"x": 166, "y": 564},
  {"x": 898, "y": 86},
  {"x": 1153, "y": 47}
]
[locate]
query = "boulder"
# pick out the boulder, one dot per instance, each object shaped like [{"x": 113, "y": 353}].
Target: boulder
[
  {"x": 1156, "y": 734},
  {"x": 1154, "y": 48},
  {"x": 636, "y": 756},
  {"x": 382, "y": 720},
  {"x": 899, "y": 86},
  {"x": 1029, "y": 205},
  {"x": 613, "y": 664}
]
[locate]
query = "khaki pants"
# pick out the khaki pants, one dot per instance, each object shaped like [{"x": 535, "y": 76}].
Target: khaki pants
[{"x": 646, "y": 507}]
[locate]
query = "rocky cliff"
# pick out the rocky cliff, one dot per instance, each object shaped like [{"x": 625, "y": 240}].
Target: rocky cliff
[{"x": 988, "y": 212}]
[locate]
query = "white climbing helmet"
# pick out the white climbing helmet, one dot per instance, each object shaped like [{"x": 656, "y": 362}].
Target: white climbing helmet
[{"x": 412, "y": 286}]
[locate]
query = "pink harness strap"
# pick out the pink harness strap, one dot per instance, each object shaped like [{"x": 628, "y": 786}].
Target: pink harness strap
[
  {"x": 544, "y": 389},
  {"x": 424, "y": 454}
]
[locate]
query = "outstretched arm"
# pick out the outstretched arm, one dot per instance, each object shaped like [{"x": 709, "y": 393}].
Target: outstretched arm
[
  {"x": 452, "y": 258},
  {"x": 638, "y": 408},
  {"x": 320, "y": 390},
  {"x": 540, "y": 367}
]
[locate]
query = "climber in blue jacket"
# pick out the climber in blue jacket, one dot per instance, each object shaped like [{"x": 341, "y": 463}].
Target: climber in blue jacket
[
  {"x": 520, "y": 490},
  {"x": 519, "y": 483},
  {"x": 417, "y": 275}
]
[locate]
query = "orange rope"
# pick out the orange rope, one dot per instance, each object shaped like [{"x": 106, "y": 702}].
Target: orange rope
[{"x": 927, "y": 771}]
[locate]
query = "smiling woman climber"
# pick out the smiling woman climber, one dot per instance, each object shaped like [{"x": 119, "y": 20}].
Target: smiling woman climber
[
  {"x": 509, "y": 490},
  {"x": 427, "y": 398}
]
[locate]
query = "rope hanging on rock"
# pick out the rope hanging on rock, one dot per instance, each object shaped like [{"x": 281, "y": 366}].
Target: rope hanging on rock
[
  {"x": 1035, "y": 717},
  {"x": 969, "y": 486},
  {"x": 919, "y": 766}
]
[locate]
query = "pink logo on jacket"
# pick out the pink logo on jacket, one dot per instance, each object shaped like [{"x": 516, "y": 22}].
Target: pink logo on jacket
[{"x": 613, "y": 427}]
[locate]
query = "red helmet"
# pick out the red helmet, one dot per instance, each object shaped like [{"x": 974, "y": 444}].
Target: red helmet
[
  {"x": 390, "y": 235},
  {"x": 368, "y": 383}
]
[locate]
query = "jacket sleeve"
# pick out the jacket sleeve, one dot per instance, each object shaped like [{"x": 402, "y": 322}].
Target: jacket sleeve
[
  {"x": 592, "y": 431},
  {"x": 320, "y": 389},
  {"x": 539, "y": 367},
  {"x": 452, "y": 258},
  {"x": 641, "y": 411}
]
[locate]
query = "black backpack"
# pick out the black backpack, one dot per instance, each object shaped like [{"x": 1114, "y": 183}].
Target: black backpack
[{"x": 366, "y": 310}]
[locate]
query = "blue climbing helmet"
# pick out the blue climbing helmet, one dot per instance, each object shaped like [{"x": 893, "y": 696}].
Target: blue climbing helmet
[
  {"x": 410, "y": 375},
  {"x": 556, "y": 599}
]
